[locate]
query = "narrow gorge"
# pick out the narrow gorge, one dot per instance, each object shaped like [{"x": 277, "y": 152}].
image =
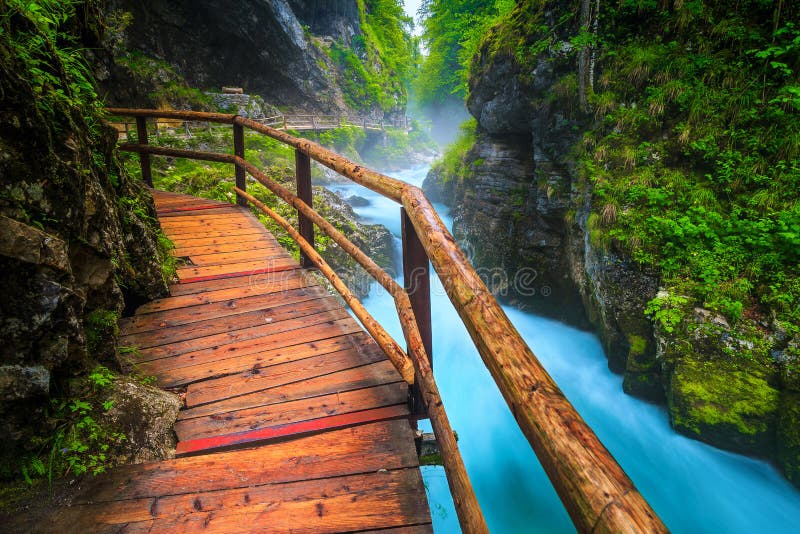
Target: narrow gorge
[{"x": 589, "y": 130}]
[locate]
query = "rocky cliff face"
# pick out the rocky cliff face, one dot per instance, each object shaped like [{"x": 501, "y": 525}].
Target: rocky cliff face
[
  {"x": 278, "y": 50},
  {"x": 338, "y": 21},
  {"x": 520, "y": 203},
  {"x": 260, "y": 46},
  {"x": 76, "y": 234}
]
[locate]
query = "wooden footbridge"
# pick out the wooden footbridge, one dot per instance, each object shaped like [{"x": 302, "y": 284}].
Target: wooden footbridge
[{"x": 295, "y": 418}]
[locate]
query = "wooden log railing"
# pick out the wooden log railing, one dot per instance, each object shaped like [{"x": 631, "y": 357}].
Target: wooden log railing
[
  {"x": 594, "y": 489},
  {"x": 298, "y": 122}
]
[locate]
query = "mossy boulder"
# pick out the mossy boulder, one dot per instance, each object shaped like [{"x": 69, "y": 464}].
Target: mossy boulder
[
  {"x": 724, "y": 405},
  {"x": 788, "y": 441},
  {"x": 145, "y": 415},
  {"x": 642, "y": 373}
]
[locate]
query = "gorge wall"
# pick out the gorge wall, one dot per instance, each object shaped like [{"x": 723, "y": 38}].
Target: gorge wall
[
  {"x": 558, "y": 117},
  {"x": 78, "y": 237},
  {"x": 283, "y": 50}
]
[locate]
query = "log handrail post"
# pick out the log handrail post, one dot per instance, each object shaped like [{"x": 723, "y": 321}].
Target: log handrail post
[
  {"x": 417, "y": 283},
  {"x": 144, "y": 159},
  {"x": 238, "y": 150},
  {"x": 305, "y": 226},
  {"x": 284, "y": 122}
]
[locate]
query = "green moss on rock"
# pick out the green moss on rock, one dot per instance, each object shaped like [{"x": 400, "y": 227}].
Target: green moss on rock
[
  {"x": 723, "y": 405},
  {"x": 788, "y": 436}
]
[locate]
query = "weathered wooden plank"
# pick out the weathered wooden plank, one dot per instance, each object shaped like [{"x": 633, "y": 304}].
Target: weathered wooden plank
[
  {"x": 263, "y": 377},
  {"x": 271, "y": 265},
  {"x": 184, "y": 225},
  {"x": 209, "y": 234},
  {"x": 218, "y": 318},
  {"x": 426, "y": 528},
  {"x": 262, "y": 244},
  {"x": 364, "y": 376},
  {"x": 268, "y": 256},
  {"x": 361, "y": 449},
  {"x": 252, "y": 339},
  {"x": 291, "y": 430},
  {"x": 253, "y": 347},
  {"x": 255, "y": 361},
  {"x": 220, "y": 238},
  {"x": 226, "y": 290},
  {"x": 182, "y": 210},
  {"x": 196, "y": 210},
  {"x": 224, "y": 215},
  {"x": 166, "y": 321},
  {"x": 340, "y": 504},
  {"x": 260, "y": 281},
  {"x": 176, "y": 203},
  {"x": 292, "y": 411}
]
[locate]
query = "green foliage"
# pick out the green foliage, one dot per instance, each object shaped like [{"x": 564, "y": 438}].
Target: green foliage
[
  {"x": 697, "y": 145},
  {"x": 377, "y": 66},
  {"x": 38, "y": 49},
  {"x": 668, "y": 310},
  {"x": 170, "y": 88},
  {"x": 452, "y": 33},
  {"x": 101, "y": 329},
  {"x": 344, "y": 140},
  {"x": 169, "y": 264},
  {"x": 79, "y": 443},
  {"x": 638, "y": 345},
  {"x": 397, "y": 146},
  {"x": 453, "y": 163}
]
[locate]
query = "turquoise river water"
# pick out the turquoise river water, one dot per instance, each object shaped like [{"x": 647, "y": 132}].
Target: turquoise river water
[{"x": 693, "y": 487}]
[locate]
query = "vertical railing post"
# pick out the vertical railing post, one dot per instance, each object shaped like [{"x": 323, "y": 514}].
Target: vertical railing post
[
  {"x": 417, "y": 283},
  {"x": 144, "y": 159},
  {"x": 238, "y": 150},
  {"x": 284, "y": 122},
  {"x": 305, "y": 226}
]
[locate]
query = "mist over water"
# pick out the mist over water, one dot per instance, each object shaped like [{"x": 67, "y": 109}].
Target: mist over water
[{"x": 693, "y": 487}]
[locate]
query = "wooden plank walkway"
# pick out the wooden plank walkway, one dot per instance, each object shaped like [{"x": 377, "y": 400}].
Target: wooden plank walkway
[{"x": 294, "y": 420}]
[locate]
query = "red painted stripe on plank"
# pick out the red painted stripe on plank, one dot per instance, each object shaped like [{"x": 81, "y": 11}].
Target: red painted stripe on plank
[
  {"x": 265, "y": 270},
  {"x": 195, "y": 208},
  {"x": 386, "y": 413}
]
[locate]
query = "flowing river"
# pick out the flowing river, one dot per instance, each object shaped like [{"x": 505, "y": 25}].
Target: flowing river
[{"x": 693, "y": 487}]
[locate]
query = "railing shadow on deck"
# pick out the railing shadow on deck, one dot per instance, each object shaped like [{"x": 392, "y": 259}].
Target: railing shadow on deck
[{"x": 594, "y": 489}]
